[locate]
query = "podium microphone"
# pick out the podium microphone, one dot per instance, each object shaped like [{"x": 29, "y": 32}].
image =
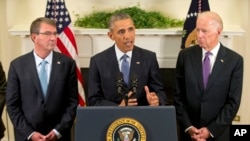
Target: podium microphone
[
  {"x": 119, "y": 83},
  {"x": 120, "y": 88},
  {"x": 134, "y": 83}
]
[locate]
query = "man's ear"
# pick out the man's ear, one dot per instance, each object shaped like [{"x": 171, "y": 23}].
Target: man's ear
[
  {"x": 110, "y": 35},
  {"x": 33, "y": 37}
]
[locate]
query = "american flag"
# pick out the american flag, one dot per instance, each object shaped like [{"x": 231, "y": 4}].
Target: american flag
[
  {"x": 66, "y": 44},
  {"x": 189, "y": 32}
]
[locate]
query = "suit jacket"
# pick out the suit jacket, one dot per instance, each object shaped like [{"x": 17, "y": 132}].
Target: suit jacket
[
  {"x": 103, "y": 73},
  {"x": 2, "y": 98},
  {"x": 29, "y": 111},
  {"x": 216, "y": 106}
]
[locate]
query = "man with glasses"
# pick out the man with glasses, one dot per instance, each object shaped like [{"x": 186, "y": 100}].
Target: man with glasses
[{"x": 42, "y": 91}]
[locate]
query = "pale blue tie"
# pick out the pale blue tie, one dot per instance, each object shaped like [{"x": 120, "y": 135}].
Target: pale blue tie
[
  {"x": 43, "y": 77},
  {"x": 125, "y": 68}
]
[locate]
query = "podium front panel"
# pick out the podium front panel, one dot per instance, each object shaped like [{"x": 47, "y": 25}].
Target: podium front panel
[{"x": 95, "y": 123}]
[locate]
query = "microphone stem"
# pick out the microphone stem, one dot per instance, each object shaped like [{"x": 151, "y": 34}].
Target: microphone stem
[{"x": 126, "y": 99}]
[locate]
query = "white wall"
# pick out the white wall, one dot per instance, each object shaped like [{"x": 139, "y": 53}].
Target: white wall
[{"x": 22, "y": 12}]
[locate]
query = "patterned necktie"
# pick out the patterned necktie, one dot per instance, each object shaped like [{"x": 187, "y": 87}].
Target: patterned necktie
[
  {"x": 125, "y": 68},
  {"x": 206, "y": 68},
  {"x": 43, "y": 77}
]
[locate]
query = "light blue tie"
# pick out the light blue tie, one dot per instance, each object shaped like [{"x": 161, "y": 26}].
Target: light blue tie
[
  {"x": 125, "y": 68},
  {"x": 43, "y": 77}
]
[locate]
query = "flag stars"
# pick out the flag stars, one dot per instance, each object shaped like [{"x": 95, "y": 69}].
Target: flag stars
[
  {"x": 60, "y": 19},
  {"x": 192, "y": 14},
  {"x": 67, "y": 19},
  {"x": 58, "y": 10},
  {"x": 61, "y": 13},
  {"x": 60, "y": 26}
]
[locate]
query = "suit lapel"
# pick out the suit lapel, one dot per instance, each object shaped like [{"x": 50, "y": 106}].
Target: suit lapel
[
  {"x": 218, "y": 65},
  {"x": 55, "y": 68},
  {"x": 111, "y": 61},
  {"x": 196, "y": 60},
  {"x": 33, "y": 73},
  {"x": 136, "y": 61}
]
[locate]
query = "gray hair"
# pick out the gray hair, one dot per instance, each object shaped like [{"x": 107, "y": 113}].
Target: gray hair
[{"x": 215, "y": 18}]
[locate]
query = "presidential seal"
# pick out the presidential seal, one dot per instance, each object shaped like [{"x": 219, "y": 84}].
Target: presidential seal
[{"x": 126, "y": 129}]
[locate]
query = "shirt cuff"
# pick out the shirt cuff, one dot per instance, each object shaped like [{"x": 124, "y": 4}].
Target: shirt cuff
[
  {"x": 188, "y": 128},
  {"x": 211, "y": 135},
  {"x": 57, "y": 134},
  {"x": 29, "y": 137}
]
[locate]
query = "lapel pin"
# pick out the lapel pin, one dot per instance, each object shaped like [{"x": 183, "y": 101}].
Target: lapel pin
[
  {"x": 58, "y": 62},
  {"x": 138, "y": 62},
  {"x": 222, "y": 61}
]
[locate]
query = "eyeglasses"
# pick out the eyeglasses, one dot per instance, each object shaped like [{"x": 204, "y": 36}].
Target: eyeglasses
[{"x": 47, "y": 33}]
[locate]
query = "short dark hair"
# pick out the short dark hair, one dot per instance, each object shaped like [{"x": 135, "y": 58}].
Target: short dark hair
[{"x": 116, "y": 17}]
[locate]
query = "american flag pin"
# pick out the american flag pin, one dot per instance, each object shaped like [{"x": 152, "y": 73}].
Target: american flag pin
[
  {"x": 222, "y": 61},
  {"x": 58, "y": 62},
  {"x": 138, "y": 62}
]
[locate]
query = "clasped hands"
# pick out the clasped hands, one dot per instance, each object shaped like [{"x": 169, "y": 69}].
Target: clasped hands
[
  {"x": 152, "y": 98},
  {"x": 199, "y": 134},
  {"x": 39, "y": 137}
]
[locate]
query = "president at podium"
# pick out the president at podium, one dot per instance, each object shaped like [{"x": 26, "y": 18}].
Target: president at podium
[{"x": 124, "y": 74}]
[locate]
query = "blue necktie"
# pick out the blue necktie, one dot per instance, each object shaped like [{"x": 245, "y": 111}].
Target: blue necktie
[
  {"x": 206, "y": 68},
  {"x": 125, "y": 68},
  {"x": 43, "y": 77}
]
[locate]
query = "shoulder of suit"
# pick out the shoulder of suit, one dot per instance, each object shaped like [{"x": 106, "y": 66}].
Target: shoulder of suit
[
  {"x": 142, "y": 50},
  {"x": 23, "y": 58},
  {"x": 231, "y": 52},
  {"x": 192, "y": 49},
  {"x": 105, "y": 53},
  {"x": 62, "y": 57}
]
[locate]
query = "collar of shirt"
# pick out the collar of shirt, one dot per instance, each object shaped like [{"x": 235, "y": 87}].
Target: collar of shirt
[
  {"x": 119, "y": 54},
  {"x": 39, "y": 59},
  {"x": 212, "y": 57},
  {"x": 49, "y": 62}
]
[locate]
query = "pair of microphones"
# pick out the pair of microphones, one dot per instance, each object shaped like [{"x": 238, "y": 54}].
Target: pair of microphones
[{"x": 122, "y": 90}]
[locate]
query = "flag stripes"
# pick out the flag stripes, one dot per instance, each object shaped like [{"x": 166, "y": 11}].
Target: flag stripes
[{"x": 66, "y": 44}]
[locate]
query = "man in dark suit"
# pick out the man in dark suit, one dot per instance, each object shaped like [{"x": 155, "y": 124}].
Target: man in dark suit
[
  {"x": 144, "y": 86},
  {"x": 37, "y": 113},
  {"x": 205, "y": 109},
  {"x": 2, "y": 99}
]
